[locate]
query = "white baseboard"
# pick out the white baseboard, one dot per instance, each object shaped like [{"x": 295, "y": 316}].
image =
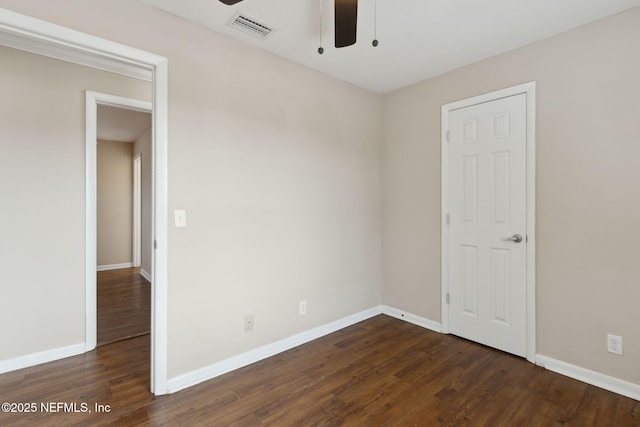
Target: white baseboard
[
  {"x": 114, "y": 266},
  {"x": 208, "y": 372},
  {"x": 597, "y": 379},
  {"x": 412, "y": 318},
  {"x": 145, "y": 275},
  {"x": 40, "y": 357}
]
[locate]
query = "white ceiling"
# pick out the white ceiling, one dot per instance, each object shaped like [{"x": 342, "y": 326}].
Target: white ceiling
[
  {"x": 418, "y": 38},
  {"x": 119, "y": 124}
]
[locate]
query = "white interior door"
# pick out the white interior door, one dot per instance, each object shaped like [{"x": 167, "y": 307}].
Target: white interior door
[{"x": 487, "y": 269}]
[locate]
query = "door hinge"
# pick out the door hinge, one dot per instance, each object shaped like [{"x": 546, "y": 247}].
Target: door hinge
[
  {"x": 447, "y": 219},
  {"x": 155, "y": 244},
  {"x": 447, "y": 136},
  {"x": 448, "y": 298}
]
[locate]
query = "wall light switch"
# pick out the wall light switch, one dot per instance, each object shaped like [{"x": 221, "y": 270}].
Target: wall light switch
[{"x": 180, "y": 216}]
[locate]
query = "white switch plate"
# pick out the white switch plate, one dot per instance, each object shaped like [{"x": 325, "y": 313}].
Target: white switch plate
[
  {"x": 302, "y": 308},
  {"x": 248, "y": 323},
  {"x": 180, "y": 216}
]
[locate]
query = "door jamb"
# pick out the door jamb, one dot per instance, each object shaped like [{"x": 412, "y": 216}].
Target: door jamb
[
  {"x": 530, "y": 90},
  {"x": 44, "y": 38},
  {"x": 137, "y": 211}
]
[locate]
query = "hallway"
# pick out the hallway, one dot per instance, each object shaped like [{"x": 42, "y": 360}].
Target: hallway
[{"x": 124, "y": 305}]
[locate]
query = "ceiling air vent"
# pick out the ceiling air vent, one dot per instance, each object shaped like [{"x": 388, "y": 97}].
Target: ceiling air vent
[{"x": 250, "y": 26}]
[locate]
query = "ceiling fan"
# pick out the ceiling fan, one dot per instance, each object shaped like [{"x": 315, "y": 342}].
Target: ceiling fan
[{"x": 346, "y": 20}]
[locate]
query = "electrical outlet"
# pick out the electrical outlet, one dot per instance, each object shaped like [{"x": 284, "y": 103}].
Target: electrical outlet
[
  {"x": 302, "y": 308},
  {"x": 614, "y": 344},
  {"x": 248, "y": 323}
]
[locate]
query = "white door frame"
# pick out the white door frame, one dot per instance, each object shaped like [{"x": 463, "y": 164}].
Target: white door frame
[
  {"x": 136, "y": 258},
  {"x": 93, "y": 99},
  {"x": 530, "y": 90},
  {"x": 41, "y": 37}
]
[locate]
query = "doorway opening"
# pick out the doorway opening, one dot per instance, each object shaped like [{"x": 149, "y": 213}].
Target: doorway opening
[
  {"x": 23, "y": 32},
  {"x": 124, "y": 220}
]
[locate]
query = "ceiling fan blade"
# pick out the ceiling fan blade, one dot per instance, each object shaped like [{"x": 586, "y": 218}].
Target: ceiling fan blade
[
  {"x": 230, "y": 2},
  {"x": 346, "y": 22}
]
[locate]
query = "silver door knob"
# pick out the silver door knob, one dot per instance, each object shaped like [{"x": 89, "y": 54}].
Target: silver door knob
[{"x": 516, "y": 238}]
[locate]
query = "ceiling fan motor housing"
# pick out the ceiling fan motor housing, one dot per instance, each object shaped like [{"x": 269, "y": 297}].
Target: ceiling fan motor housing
[{"x": 346, "y": 22}]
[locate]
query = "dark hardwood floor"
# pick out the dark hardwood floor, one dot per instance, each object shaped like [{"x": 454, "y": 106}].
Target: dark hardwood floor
[
  {"x": 124, "y": 305},
  {"x": 381, "y": 372}
]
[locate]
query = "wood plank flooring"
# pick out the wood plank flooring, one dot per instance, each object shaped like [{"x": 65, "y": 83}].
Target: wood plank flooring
[
  {"x": 380, "y": 372},
  {"x": 124, "y": 305}
]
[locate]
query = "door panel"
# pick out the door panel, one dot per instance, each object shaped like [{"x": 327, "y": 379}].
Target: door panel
[
  {"x": 487, "y": 204},
  {"x": 469, "y": 280}
]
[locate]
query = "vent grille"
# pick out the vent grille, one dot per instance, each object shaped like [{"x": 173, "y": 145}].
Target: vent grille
[{"x": 250, "y": 26}]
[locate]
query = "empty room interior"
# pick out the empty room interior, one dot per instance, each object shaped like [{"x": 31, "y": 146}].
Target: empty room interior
[{"x": 315, "y": 212}]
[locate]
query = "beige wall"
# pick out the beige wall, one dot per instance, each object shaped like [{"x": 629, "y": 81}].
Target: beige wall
[
  {"x": 115, "y": 202},
  {"x": 143, "y": 147},
  {"x": 278, "y": 167},
  {"x": 588, "y": 197},
  {"x": 42, "y": 193}
]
